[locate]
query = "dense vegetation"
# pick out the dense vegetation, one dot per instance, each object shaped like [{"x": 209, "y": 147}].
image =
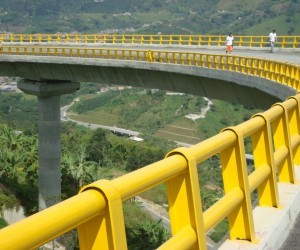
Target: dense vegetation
[
  {"x": 151, "y": 16},
  {"x": 18, "y": 109},
  {"x": 145, "y": 111},
  {"x": 89, "y": 155},
  {"x": 86, "y": 157},
  {"x": 154, "y": 112}
]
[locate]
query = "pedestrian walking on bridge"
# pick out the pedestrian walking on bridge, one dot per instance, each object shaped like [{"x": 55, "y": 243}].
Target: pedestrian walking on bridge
[
  {"x": 229, "y": 43},
  {"x": 273, "y": 39}
]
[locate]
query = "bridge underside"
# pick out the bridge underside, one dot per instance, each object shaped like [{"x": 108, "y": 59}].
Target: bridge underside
[{"x": 229, "y": 86}]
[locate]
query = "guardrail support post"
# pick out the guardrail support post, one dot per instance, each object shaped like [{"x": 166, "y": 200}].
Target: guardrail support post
[
  {"x": 263, "y": 154},
  {"x": 48, "y": 93},
  {"x": 286, "y": 172},
  {"x": 185, "y": 207},
  {"x": 106, "y": 231},
  {"x": 294, "y": 120},
  {"x": 235, "y": 175}
]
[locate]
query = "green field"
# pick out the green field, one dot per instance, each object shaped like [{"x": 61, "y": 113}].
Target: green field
[
  {"x": 102, "y": 117},
  {"x": 158, "y": 114}
]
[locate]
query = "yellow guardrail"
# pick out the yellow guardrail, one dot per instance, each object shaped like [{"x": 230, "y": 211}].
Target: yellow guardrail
[
  {"x": 197, "y": 40},
  {"x": 282, "y": 72},
  {"x": 97, "y": 210}
]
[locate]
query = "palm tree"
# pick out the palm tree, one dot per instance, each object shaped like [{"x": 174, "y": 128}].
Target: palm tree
[{"x": 78, "y": 168}]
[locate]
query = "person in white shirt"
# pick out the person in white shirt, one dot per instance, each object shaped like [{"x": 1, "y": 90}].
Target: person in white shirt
[
  {"x": 273, "y": 39},
  {"x": 229, "y": 43}
]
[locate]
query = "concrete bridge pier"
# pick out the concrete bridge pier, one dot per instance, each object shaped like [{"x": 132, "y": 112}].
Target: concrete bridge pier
[{"x": 49, "y": 148}]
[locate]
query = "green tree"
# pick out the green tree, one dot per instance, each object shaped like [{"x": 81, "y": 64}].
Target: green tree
[
  {"x": 18, "y": 168},
  {"x": 147, "y": 236},
  {"x": 76, "y": 166},
  {"x": 98, "y": 146}
]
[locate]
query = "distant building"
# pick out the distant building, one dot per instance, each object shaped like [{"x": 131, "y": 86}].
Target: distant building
[{"x": 8, "y": 84}]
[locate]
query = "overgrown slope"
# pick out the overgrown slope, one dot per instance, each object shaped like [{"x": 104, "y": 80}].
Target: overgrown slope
[{"x": 151, "y": 16}]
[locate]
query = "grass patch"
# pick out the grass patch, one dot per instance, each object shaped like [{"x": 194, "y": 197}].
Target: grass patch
[
  {"x": 182, "y": 130},
  {"x": 3, "y": 223},
  {"x": 176, "y": 137},
  {"x": 7, "y": 198},
  {"x": 219, "y": 231},
  {"x": 280, "y": 23},
  {"x": 100, "y": 117},
  {"x": 133, "y": 214},
  {"x": 157, "y": 194}
]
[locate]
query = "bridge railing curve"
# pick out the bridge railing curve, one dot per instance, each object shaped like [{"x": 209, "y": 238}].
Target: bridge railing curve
[
  {"x": 178, "y": 40},
  {"x": 281, "y": 72},
  {"x": 97, "y": 210}
]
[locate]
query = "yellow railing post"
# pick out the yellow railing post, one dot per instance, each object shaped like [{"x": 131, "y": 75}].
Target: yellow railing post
[
  {"x": 281, "y": 134},
  {"x": 235, "y": 175},
  {"x": 190, "y": 40},
  {"x": 151, "y": 39},
  {"x": 294, "y": 121},
  {"x": 292, "y": 80},
  {"x": 105, "y": 231},
  {"x": 263, "y": 155},
  {"x": 150, "y": 56},
  {"x": 185, "y": 207}
]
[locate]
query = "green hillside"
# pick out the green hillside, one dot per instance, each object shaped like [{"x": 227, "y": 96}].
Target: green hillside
[
  {"x": 158, "y": 114},
  {"x": 151, "y": 16}
]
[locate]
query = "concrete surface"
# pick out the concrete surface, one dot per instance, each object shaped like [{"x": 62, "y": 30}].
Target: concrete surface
[{"x": 273, "y": 225}]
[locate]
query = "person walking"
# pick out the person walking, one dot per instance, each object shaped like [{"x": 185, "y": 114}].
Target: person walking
[
  {"x": 273, "y": 39},
  {"x": 229, "y": 43}
]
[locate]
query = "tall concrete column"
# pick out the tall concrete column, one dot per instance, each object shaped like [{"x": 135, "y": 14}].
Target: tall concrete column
[
  {"x": 49, "y": 148},
  {"x": 49, "y": 151}
]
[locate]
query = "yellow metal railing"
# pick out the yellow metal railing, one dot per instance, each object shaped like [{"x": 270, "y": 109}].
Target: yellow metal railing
[
  {"x": 281, "y": 72},
  {"x": 197, "y": 40},
  {"x": 97, "y": 210}
]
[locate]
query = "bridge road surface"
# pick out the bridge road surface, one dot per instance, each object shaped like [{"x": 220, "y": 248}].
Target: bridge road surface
[
  {"x": 288, "y": 55},
  {"x": 285, "y": 55}
]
